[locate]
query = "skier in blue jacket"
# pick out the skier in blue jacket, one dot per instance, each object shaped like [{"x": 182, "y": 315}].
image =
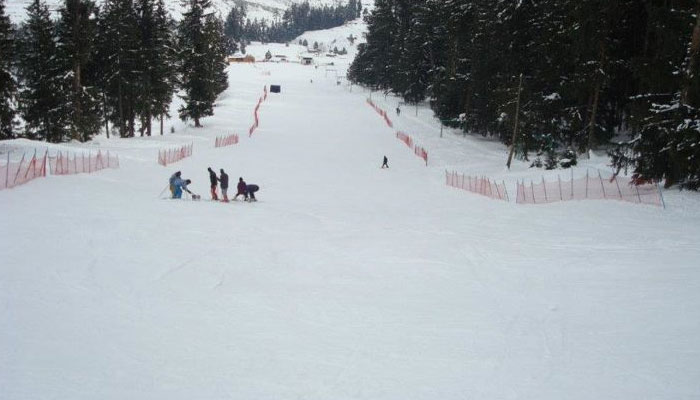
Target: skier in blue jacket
[{"x": 180, "y": 185}]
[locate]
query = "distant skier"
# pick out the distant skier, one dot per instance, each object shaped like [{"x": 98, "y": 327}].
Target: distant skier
[
  {"x": 241, "y": 189},
  {"x": 398, "y": 111},
  {"x": 213, "y": 179},
  {"x": 174, "y": 176},
  {"x": 385, "y": 164},
  {"x": 251, "y": 189},
  {"x": 223, "y": 178}
]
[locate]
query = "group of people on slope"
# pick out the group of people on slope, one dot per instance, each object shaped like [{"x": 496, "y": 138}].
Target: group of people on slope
[
  {"x": 247, "y": 191},
  {"x": 178, "y": 185}
]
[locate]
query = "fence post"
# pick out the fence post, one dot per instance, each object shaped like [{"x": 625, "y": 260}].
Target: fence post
[
  {"x": 532, "y": 187},
  {"x": 7, "y": 171},
  {"x": 33, "y": 166},
  {"x": 561, "y": 196},
  {"x": 618, "y": 186},
  {"x": 638, "y": 196},
  {"x": 19, "y": 168},
  {"x": 43, "y": 166},
  {"x": 544, "y": 188},
  {"x": 661, "y": 196},
  {"x": 601, "y": 184},
  {"x": 572, "y": 183},
  {"x": 505, "y": 190}
]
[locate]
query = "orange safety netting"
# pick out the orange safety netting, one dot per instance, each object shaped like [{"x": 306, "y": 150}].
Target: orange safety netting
[
  {"x": 482, "y": 186},
  {"x": 63, "y": 164},
  {"x": 229, "y": 140},
  {"x": 422, "y": 153},
  {"x": 15, "y": 174},
  {"x": 418, "y": 150},
  {"x": 381, "y": 112},
  {"x": 256, "y": 123},
  {"x": 170, "y": 156},
  {"x": 405, "y": 138},
  {"x": 589, "y": 187}
]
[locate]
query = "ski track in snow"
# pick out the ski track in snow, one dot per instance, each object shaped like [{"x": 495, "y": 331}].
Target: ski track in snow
[{"x": 345, "y": 281}]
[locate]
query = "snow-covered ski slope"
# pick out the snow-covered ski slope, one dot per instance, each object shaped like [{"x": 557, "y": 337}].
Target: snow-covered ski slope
[{"x": 345, "y": 281}]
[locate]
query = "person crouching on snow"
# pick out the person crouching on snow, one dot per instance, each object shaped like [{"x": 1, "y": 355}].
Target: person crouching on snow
[
  {"x": 251, "y": 189},
  {"x": 180, "y": 185},
  {"x": 241, "y": 189}
]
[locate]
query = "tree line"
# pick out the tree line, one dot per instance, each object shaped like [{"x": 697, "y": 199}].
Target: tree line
[
  {"x": 296, "y": 19},
  {"x": 116, "y": 65},
  {"x": 615, "y": 75}
]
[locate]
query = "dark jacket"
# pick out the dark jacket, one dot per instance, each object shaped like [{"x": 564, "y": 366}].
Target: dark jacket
[
  {"x": 242, "y": 187},
  {"x": 224, "y": 180},
  {"x": 253, "y": 188},
  {"x": 212, "y": 177}
]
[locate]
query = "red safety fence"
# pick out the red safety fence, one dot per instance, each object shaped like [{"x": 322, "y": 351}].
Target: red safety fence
[
  {"x": 15, "y": 174},
  {"x": 223, "y": 141},
  {"x": 589, "y": 187},
  {"x": 256, "y": 123},
  {"x": 170, "y": 156},
  {"x": 422, "y": 153},
  {"x": 482, "y": 186},
  {"x": 63, "y": 164},
  {"x": 381, "y": 112},
  {"x": 418, "y": 150},
  {"x": 405, "y": 138}
]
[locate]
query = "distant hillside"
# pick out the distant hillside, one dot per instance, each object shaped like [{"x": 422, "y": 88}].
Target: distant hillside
[{"x": 268, "y": 9}]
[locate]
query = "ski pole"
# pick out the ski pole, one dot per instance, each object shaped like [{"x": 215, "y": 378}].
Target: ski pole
[{"x": 164, "y": 189}]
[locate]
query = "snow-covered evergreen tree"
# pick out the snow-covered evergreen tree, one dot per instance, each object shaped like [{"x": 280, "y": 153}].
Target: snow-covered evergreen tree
[
  {"x": 43, "y": 98},
  {"x": 202, "y": 60},
  {"x": 8, "y": 86},
  {"x": 667, "y": 146},
  {"x": 216, "y": 54},
  {"x": 76, "y": 29},
  {"x": 163, "y": 63},
  {"x": 118, "y": 48},
  {"x": 371, "y": 66}
]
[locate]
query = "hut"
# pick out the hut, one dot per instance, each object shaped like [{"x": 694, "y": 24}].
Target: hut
[{"x": 241, "y": 58}]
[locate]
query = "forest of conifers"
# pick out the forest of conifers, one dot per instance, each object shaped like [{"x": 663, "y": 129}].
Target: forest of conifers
[{"x": 620, "y": 76}]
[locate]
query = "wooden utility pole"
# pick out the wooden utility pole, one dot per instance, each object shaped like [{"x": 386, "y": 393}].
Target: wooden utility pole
[{"x": 515, "y": 127}]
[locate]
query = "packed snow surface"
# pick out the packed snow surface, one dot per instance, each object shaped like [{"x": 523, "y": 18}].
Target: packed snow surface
[{"x": 345, "y": 280}]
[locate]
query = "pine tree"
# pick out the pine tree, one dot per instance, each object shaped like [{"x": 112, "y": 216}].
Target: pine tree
[
  {"x": 163, "y": 64},
  {"x": 202, "y": 61},
  {"x": 76, "y": 31},
  {"x": 371, "y": 66},
  {"x": 216, "y": 54},
  {"x": 234, "y": 27},
  {"x": 8, "y": 86},
  {"x": 667, "y": 113},
  {"x": 118, "y": 47},
  {"x": 43, "y": 98},
  {"x": 415, "y": 60},
  {"x": 157, "y": 59}
]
